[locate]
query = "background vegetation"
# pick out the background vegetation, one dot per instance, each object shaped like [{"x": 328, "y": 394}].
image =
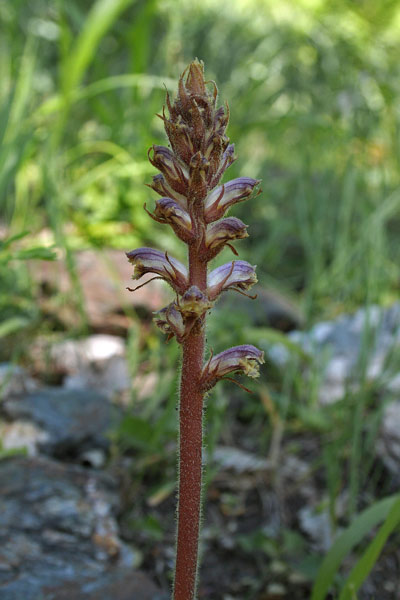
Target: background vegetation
[{"x": 313, "y": 89}]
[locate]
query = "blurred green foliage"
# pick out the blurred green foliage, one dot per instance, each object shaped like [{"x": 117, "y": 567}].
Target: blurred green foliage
[
  {"x": 19, "y": 310},
  {"x": 313, "y": 93}
]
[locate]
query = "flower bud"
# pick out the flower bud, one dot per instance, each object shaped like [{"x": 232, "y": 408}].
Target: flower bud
[
  {"x": 195, "y": 78},
  {"x": 194, "y": 303},
  {"x": 238, "y": 275},
  {"x": 227, "y": 159},
  {"x": 222, "y": 197},
  {"x": 179, "y": 136},
  {"x": 170, "y": 321},
  {"x": 198, "y": 126},
  {"x": 239, "y": 359},
  {"x": 221, "y": 119},
  {"x": 214, "y": 152},
  {"x": 218, "y": 234},
  {"x": 197, "y": 178},
  {"x": 149, "y": 260}
]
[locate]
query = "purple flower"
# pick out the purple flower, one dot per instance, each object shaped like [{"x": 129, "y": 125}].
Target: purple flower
[
  {"x": 238, "y": 275},
  {"x": 244, "y": 359},
  {"x": 160, "y": 185},
  {"x": 149, "y": 260},
  {"x": 220, "y": 233},
  {"x": 173, "y": 170},
  {"x": 169, "y": 211},
  {"x": 222, "y": 197}
]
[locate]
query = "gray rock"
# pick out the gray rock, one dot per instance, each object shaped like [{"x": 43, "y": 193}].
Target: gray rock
[
  {"x": 73, "y": 420},
  {"x": 389, "y": 438},
  {"x": 275, "y": 591},
  {"x": 318, "y": 526},
  {"x": 336, "y": 347},
  {"x": 239, "y": 461},
  {"x": 14, "y": 380},
  {"x": 114, "y": 586},
  {"x": 59, "y": 537},
  {"x": 394, "y": 384}
]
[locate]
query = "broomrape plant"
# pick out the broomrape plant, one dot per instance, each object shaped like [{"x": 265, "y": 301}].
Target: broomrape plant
[{"x": 193, "y": 203}]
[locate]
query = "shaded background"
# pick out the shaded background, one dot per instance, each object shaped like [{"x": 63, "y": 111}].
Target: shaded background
[{"x": 313, "y": 90}]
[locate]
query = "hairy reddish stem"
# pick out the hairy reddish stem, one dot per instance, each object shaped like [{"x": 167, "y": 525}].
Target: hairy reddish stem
[
  {"x": 190, "y": 448},
  {"x": 190, "y": 169}
]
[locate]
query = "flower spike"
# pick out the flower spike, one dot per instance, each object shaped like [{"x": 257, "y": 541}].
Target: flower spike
[{"x": 194, "y": 203}]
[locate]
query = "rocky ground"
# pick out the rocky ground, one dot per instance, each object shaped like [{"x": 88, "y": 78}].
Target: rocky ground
[{"x": 65, "y": 530}]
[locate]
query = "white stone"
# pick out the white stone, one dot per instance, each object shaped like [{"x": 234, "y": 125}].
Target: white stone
[
  {"x": 97, "y": 362},
  {"x": 72, "y": 355},
  {"x": 338, "y": 369},
  {"x": 22, "y": 435},
  {"x": 321, "y": 331}
]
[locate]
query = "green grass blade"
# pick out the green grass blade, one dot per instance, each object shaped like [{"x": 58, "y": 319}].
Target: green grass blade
[
  {"x": 22, "y": 92},
  {"x": 12, "y": 325},
  {"x": 100, "y": 18},
  {"x": 125, "y": 80},
  {"x": 363, "y": 567},
  {"x": 358, "y": 529}
]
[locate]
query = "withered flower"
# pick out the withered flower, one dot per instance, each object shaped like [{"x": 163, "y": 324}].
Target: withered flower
[{"x": 170, "y": 321}]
